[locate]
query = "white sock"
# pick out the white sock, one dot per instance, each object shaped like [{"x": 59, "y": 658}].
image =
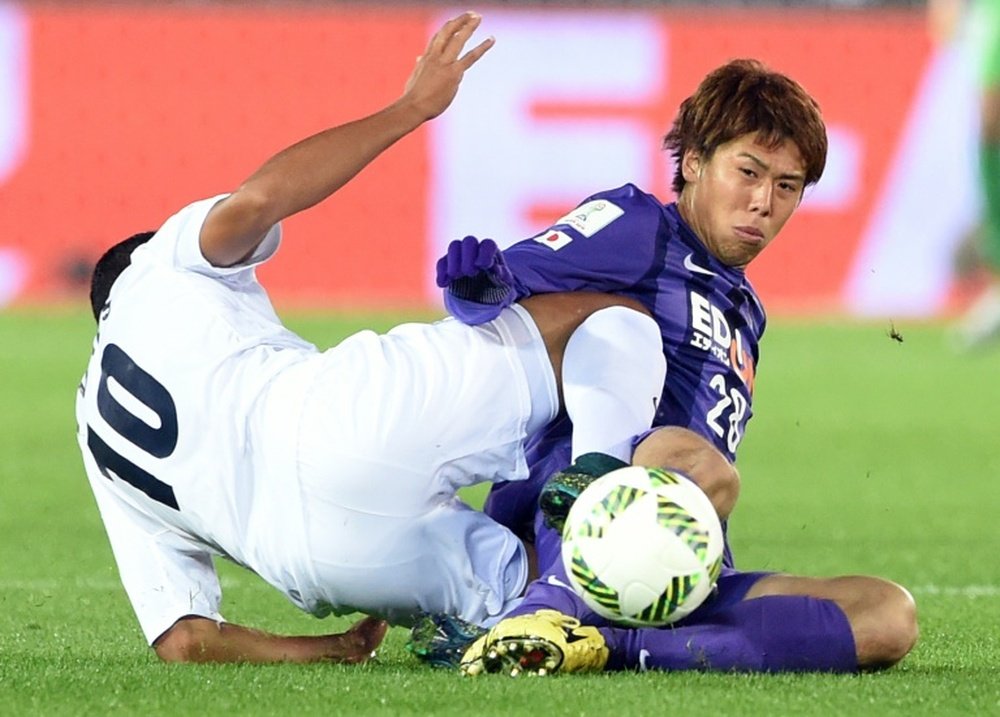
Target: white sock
[{"x": 613, "y": 372}]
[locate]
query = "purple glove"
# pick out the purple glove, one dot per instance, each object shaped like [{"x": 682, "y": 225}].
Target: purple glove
[
  {"x": 470, "y": 258},
  {"x": 476, "y": 280}
]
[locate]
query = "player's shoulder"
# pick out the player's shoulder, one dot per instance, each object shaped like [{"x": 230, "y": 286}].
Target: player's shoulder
[
  {"x": 629, "y": 198},
  {"x": 625, "y": 209},
  {"x": 173, "y": 236},
  {"x": 177, "y": 243}
]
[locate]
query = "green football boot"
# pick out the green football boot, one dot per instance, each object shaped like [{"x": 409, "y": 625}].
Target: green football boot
[
  {"x": 563, "y": 488},
  {"x": 441, "y": 640}
]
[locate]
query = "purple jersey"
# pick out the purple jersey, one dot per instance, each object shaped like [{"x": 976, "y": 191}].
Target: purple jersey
[{"x": 624, "y": 241}]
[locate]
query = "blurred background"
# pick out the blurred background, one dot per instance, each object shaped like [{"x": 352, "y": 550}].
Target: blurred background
[{"x": 113, "y": 115}]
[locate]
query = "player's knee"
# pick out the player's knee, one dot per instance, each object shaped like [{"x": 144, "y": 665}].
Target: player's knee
[
  {"x": 890, "y": 628},
  {"x": 693, "y": 455},
  {"x": 723, "y": 487}
]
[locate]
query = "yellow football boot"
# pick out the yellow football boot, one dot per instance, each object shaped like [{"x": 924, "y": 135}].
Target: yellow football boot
[{"x": 543, "y": 643}]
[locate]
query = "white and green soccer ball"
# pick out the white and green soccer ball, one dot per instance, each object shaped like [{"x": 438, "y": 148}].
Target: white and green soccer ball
[{"x": 642, "y": 546}]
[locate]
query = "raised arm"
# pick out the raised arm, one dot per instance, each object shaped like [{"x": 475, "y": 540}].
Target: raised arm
[{"x": 311, "y": 170}]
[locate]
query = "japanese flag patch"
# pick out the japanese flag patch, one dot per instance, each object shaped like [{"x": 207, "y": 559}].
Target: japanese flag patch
[
  {"x": 590, "y": 217},
  {"x": 554, "y": 240}
]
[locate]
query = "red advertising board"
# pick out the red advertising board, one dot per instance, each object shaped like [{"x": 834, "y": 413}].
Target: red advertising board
[
  {"x": 117, "y": 116},
  {"x": 135, "y": 112}
]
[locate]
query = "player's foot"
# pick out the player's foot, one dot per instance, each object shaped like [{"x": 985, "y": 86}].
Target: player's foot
[
  {"x": 543, "y": 643},
  {"x": 563, "y": 488},
  {"x": 441, "y": 640}
]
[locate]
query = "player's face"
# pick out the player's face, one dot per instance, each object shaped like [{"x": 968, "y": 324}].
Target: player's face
[{"x": 738, "y": 199}]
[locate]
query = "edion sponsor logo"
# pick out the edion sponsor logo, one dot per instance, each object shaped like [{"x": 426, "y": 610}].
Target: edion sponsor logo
[{"x": 712, "y": 333}]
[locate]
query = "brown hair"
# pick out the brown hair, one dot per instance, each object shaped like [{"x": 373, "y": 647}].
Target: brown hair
[{"x": 743, "y": 97}]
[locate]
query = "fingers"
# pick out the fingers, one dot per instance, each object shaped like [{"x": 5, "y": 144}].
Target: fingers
[
  {"x": 468, "y": 22},
  {"x": 461, "y": 258},
  {"x": 440, "y": 37},
  {"x": 486, "y": 254},
  {"x": 470, "y": 250},
  {"x": 451, "y": 38},
  {"x": 453, "y": 35},
  {"x": 466, "y": 257},
  {"x": 472, "y": 56},
  {"x": 434, "y": 81},
  {"x": 442, "y": 278},
  {"x": 454, "y": 258},
  {"x": 450, "y": 264}
]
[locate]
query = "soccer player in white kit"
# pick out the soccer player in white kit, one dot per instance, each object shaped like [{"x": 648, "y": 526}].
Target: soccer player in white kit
[{"x": 209, "y": 429}]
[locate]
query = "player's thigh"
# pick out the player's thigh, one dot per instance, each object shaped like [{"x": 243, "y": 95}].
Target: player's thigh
[
  {"x": 731, "y": 587},
  {"x": 447, "y": 386},
  {"x": 558, "y": 315},
  {"x": 859, "y": 596},
  {"x": 452, "y": 560},
  {"x": 839, "y": 588},
  {"x": 394, "y": 423}
]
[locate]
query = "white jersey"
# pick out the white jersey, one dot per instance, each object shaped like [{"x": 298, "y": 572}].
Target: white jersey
[{"x": 207, "y": 428}]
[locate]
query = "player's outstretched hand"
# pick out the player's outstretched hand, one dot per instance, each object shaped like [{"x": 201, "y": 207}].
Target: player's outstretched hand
[
  {"x": 435, "y": 80},
  {"x": 359, "y": 642},
  {"x": 469, "y": 257}
]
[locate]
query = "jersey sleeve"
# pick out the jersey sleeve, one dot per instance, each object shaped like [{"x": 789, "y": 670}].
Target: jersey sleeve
[
  {"x": 165, "y": 576},
  {"x": 177, "y": 242},
  {"x": 607, "y": 243}
]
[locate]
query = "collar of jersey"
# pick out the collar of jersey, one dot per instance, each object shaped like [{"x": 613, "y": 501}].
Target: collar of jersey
[{"x": 700, "y": 252}]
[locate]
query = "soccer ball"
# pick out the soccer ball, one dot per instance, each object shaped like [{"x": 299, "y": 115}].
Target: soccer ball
[{"x": 642, "y": 546}]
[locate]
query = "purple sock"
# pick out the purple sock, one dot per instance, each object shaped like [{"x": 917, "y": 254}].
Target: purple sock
[
  {"x": 552, "y": 591},
  {"x": 548, "y": 547},
  {"x": 776, "y": 633}
]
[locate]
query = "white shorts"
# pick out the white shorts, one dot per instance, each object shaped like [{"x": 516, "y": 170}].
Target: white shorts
[{"x": 391, "y": 428}]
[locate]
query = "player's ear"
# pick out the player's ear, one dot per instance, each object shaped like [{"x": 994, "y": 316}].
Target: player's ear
[{"x": 691, "y": 165}]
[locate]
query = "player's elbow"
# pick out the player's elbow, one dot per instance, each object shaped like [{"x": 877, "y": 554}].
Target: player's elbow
[
  {"x": 256, "y": 205},
  {"x": 236, "y": 225},
  {"x": 185, "y": 641}
]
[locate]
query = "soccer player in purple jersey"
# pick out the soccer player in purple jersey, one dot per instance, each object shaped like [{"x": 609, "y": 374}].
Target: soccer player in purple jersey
[{"x": 746, "y": 144}]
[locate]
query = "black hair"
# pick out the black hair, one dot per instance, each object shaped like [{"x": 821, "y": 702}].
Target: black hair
[{"x": 114, "y": 261}]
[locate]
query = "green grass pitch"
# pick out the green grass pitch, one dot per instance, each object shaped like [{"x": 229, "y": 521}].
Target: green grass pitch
[{"x": 866, "y": 455}]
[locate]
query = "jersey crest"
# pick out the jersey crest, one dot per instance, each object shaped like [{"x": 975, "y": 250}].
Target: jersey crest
[{"x": 590, "y": 217}]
